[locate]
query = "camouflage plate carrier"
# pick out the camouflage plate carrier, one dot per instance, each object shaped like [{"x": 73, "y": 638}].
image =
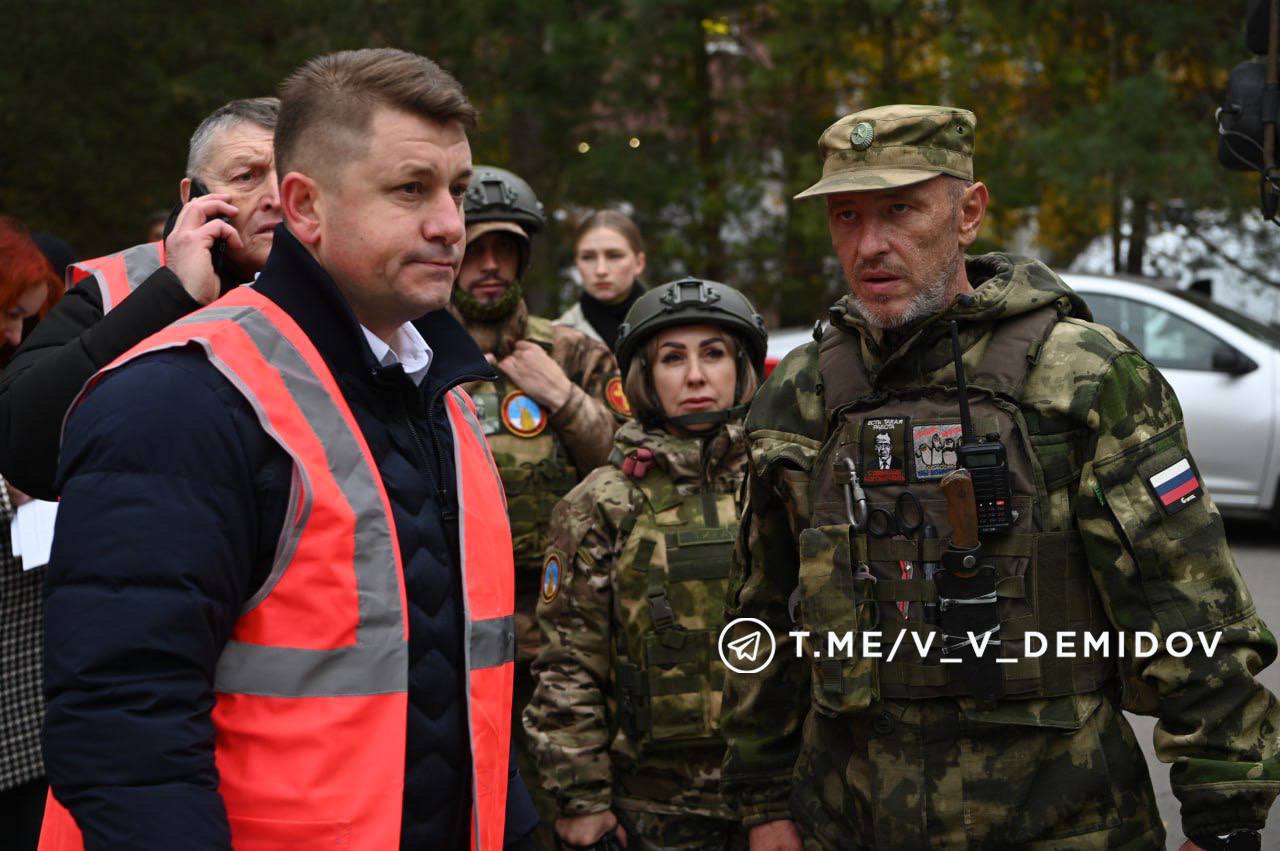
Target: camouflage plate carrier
[
  {"x": 669, "y": 593},
  {"x": 850, "y": 581}
]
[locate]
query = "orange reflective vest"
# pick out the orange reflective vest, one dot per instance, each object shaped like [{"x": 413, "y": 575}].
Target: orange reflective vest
[
  {"x": 117, "y": 275},
  {"x": 310, "y": 710}
]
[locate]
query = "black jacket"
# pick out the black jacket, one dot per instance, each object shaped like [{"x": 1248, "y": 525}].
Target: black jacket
[
  {"x": 173, "y": 498},
  {"x": 63, "y": 351}
]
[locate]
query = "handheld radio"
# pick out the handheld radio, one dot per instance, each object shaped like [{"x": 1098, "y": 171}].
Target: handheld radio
[{"x": 984, "y": 457}]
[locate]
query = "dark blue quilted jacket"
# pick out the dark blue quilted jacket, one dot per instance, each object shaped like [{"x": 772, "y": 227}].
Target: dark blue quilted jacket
[{"x": 164, "y": 533}]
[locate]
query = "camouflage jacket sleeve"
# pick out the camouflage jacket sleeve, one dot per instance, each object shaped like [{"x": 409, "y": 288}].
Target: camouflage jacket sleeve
[
  {"x": 587, "y": 421},
  {"x": 1168, "y": 569},
  {"x": 763, "y": 713},
  {"x": 568, "y": 718}
]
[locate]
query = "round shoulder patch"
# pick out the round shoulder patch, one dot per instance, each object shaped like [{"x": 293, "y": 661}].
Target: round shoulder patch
[
  {"x": 616, "y": 398},
  {"x": 522, "y": 416},
  {"x": 551, "y": 576}
]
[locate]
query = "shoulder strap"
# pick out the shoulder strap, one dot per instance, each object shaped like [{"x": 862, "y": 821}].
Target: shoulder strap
[
  {"x": 540, "y": 331},
  {"x": 1014, "y": 348},
  {"x": 844, "y": 378}
]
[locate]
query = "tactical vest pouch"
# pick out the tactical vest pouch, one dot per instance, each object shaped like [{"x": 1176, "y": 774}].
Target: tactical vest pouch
[
  {"x": 836, "y": 605},
  {"x": 683, "y": 689}
]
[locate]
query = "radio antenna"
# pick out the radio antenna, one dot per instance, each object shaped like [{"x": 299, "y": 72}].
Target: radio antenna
[{"x": 966, "y": 424}]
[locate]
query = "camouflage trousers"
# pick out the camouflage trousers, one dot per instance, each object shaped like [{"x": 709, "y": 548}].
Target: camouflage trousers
[
  {"x": 544, "y": 835},
  {"x": 649, "y": 831},
  {"x": 918, "y": 774}
]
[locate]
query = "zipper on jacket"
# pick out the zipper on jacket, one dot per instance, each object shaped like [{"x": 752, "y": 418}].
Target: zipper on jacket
[{"x": 449, "y": 511}]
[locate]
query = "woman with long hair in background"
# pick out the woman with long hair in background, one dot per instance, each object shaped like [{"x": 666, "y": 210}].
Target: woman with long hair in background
[{"x": 609, "y": 254}]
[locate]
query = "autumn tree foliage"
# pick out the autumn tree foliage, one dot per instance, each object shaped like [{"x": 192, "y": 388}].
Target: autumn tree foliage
[{"x": 701, "y": 118}]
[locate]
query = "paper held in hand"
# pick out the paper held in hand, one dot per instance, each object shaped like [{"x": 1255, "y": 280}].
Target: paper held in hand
[{"x": 31, "y": 532}]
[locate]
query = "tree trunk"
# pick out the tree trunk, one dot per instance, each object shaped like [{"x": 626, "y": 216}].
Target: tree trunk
[
  {"x": 1117, "y": 238},
  {"x": 888, "y": 60},
  {"x": 527, "y": 158},
  {"x": 711, "y": 206},
  {"x": 1138, "y": 225}
]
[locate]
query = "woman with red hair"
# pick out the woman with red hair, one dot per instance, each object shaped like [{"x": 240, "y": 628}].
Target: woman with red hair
[{"x": 28, "y": 287}]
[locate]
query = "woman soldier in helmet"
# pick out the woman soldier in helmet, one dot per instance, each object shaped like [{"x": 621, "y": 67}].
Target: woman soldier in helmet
[{"x": 624, "y": 719}]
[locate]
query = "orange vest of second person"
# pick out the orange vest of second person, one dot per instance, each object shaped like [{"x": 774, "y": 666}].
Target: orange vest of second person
[
  {"x": 117, "y": 275},
  {"x": 311, "y": 712}
]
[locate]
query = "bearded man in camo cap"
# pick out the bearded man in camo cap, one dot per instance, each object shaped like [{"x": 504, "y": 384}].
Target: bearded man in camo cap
[{"x": 1097, "y": 522}]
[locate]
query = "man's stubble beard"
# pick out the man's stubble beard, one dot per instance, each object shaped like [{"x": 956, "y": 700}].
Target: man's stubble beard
[{"x": 931, "y": 300}]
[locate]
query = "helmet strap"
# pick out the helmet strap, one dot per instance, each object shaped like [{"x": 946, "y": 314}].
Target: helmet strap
[{"x": 702, "y": 417}]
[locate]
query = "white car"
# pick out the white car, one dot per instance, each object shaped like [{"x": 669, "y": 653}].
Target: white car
[
  {"x": 782, "y": 341},
  {"x": 1224, "y": 366}
]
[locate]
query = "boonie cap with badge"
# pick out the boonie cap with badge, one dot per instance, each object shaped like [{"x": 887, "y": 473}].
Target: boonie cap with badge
[{"x": 892, "y": 146}]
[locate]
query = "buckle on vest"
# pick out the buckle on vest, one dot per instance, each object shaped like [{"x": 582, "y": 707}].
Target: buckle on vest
[
  {"x": 987, "y": 599},
  {"x": 660, "y": 610},
  {"x": 961, "y": 642}
]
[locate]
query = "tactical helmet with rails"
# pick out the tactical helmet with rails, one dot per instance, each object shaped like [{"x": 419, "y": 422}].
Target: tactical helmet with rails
[
  {"x": 693, "y": 301},
  {"x": 497, "y": 195}
]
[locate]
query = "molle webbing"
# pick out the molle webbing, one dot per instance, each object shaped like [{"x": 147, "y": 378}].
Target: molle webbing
[
  {"x": 1063, "y": 599},
  {"x": 667, "y": 667}
]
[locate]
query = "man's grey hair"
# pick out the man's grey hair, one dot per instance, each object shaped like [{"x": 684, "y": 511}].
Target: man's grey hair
[
  {"x": 260, "y": 111},
  {"x": 955, "y": 189}
]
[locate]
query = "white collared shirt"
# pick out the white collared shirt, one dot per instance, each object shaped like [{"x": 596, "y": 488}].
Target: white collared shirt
[{"x": 406, "y": 348}]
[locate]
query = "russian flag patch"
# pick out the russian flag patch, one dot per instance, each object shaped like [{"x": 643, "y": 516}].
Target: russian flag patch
[{"x": 1176, "y": 486}]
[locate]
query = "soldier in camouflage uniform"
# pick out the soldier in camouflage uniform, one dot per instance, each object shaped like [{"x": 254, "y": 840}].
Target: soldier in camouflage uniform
[
  {"x": 549, "y": 418},
  {"x": 1112, "y": 532},
  {"x": 625, "y": 717}
]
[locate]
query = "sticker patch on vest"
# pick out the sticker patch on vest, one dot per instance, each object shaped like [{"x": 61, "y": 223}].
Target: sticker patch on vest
[
  {"x": 617, "y": 399},
  {"x": 884, "y": 441},
  {"x": 551, "y": 576},
  {"x": 934, "y": 449},
  {"x": 522, "y": 416},
  {"x": 487, "y": 412},
  {"x": 1176, "y": 486}
]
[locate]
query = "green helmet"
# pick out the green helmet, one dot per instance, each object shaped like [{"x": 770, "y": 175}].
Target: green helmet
[
  {"x": 497, "y": 195},
  {"x": 693, "y": 301}
]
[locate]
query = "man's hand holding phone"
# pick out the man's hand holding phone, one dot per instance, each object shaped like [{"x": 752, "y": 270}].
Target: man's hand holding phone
[{"x": 189, "y": 247}]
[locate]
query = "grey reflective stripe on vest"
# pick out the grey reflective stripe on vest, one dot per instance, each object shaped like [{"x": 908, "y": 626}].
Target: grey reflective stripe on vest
[
  {"x": 140, "y": 262},
  {"x": 493, "y": 642},
  {"x": 378, "y": 663}
]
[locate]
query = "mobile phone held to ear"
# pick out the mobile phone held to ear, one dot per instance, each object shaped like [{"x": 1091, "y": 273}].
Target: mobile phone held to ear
[{"x": 218, "y": 251}]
